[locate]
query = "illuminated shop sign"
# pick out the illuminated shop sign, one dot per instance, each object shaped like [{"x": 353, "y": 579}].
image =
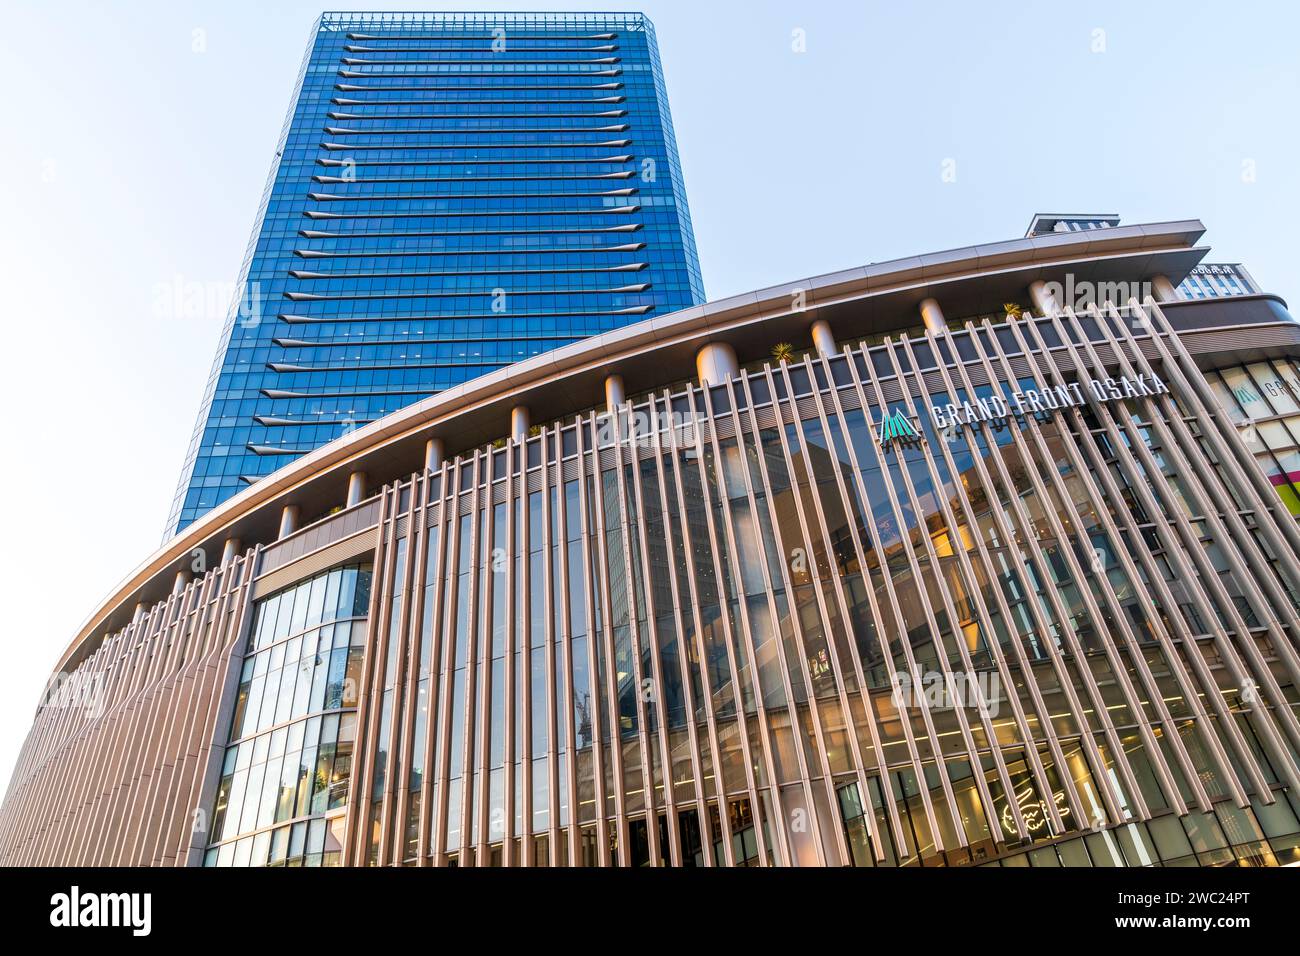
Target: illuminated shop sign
[{"x": 1033, "y": 810}]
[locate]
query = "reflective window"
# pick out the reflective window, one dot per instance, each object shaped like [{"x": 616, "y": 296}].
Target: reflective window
[{"x": 285, "y": 775}]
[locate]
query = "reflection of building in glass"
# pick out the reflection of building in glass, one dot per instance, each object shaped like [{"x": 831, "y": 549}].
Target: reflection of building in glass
[
  {"x": 291, "y": 735},
  {"x": 1263, "y": 398},
  {"x": 543, "y": 638}
]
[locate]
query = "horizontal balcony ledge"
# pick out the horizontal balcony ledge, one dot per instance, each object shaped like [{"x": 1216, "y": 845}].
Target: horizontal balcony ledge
[
  {"x": 473, "y": 213},
  {"x": 354, "y": 88},
  {"x": 478, "y": 130},
  {"x": 306, "y": 275},
  {"x": 600, "y": 114},
  {"x": 467, "y": 293},
  {"x": 321, "y": 234},
  {"x": 502, "y": 59},
  {"x": 477, "y": 74},
  {"x": 549, "y": 177},
  {"x": 294, "y": 319},
  {"x": 539, "y": 161},
  {"x": 443, "y": 253},
  {"x": 408, "y": 197},
  {"x": 603, "y": 144},
  {"x": 350, "y": 101}
]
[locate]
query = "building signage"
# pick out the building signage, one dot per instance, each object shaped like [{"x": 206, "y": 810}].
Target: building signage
[
  {"x": 1044, "y": 399},
  {"x": 895, "y": 426},
  {"x": 1033, "y": 810}
]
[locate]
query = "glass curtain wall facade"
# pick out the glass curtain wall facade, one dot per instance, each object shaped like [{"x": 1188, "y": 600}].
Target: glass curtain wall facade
[
  {"x": 286, "y": 772},
  {"x": 1217, "y": 280},
  {"x": 451, "y": 193},
  {"x": 1263, "y": 399}
]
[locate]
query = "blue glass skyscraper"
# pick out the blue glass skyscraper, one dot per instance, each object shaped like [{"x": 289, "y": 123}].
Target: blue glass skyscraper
[{"x": 452, "y": 192}]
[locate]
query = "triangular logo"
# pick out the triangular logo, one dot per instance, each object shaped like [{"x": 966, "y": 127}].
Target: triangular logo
[{"x": 896, "y": 426}]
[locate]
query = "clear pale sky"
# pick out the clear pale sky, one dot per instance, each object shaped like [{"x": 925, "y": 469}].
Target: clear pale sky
[{"x": 134, "y": 152}]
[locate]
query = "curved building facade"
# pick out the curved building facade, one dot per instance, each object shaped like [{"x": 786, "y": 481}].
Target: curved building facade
[{"x": 975, "y": 558}]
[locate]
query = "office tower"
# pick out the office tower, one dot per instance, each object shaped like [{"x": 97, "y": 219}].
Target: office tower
[
  {"x": 971, "y": 578},
  {"x": 452, "y": 192}
]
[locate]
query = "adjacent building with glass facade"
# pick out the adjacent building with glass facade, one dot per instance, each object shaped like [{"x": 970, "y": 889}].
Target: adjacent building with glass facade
[
  {"x": 452, "y": 192},
  {"x": 1217, "y": 279},
  {"x": 967, "y": 576}
]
